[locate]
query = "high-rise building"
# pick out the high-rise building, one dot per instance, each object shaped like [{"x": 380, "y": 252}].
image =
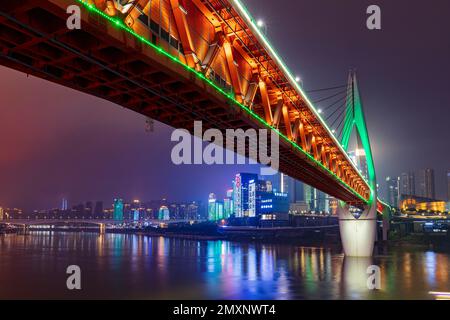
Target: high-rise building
[
  {"x": 135, "y": 215},
  {"x": 251, "y": 198},
  {"x": 358, "y": 157},
  {"x": 280, "y": 182},
  {"x": 64, "y": 204},
  {"x": 228, "y": 207},
  {"x": 275, "y": 180},
  {"x": 212, "y": 207},
  {"x": 322, "y": 201},
  {"x": 296, "y": 191},
  {"x": 316, "y": 200},
  {"x": 118, "y": 210},
  {"x": 255, "y": 198},
  {"x": 88, "y": 209},
  {"x": 309, "y": 197},
  {"x": 163, "y": 213},
  {"x": 426, "y": 183},
  {"x": 193, "y": 211},
  {"x": 219, "y": 215},
  {"x": 1, "y": 214},
  {"x": 244, "y": 197},
  {"x": 284, "y": 183},
  {"x": 216, "y": 209},
  {"x": 392, "y": 191},
  {"x": 408, "y": 184},
  {"x": 448, "y": 185},
  {"x": 98, "y": 210}
]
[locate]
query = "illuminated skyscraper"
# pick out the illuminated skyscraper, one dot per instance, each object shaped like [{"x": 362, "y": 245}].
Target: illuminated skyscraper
[
  {"x": 163, "y": 213},
  {"x": 64, "y": 204},
  {"x": 392, "y": 191},
  {"x": 358, "y": 157},
  {"x": 227, "y": 207},
  {"x": 212, "y": 207},
  {"x": 228, "y": 204},
  {"x": 408, "y": 184},
  {"x": 309, "y": 197},
  {"x": 244, "y": 198},
  {"x": 135, "y": 214},
  {"x": 316, "y": 200},
  {"x": 426, "y": 183},
  {"x": 1, "y": 214},
  {"x": 219, "y": 215},
  {"x": 251, "y": 198},
  {"x": 118, "y": 210},
  {"x": 216, "y": 209}
]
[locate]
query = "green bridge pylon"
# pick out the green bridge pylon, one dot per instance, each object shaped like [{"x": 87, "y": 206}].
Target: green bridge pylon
[
  {"x": 358, "y": 233},
  {"x": 355, "y": 119}
]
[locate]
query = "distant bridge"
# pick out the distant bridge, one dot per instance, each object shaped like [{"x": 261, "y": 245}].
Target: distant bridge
[
  {"x": 34, "y": 222},
  {"x": 102, "y": 224}
]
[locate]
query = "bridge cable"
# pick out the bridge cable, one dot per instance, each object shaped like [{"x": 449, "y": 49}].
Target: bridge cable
[
  {"x": 334, "y": 103},
  {"x": 326, "y": 89},
  {"x": 330, "y": 97},
  {"x": 338, "y": 117},
  {"x": 345, "y": 118},
  {"x": 340, "y": 131},
  {"x": 334, "y": 112}
]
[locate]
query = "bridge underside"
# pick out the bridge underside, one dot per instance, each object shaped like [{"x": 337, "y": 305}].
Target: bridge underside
[{"x": 106, "y": 62}]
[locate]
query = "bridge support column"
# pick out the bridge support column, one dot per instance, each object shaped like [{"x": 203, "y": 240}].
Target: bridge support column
[{"x": 357, "y": 235}]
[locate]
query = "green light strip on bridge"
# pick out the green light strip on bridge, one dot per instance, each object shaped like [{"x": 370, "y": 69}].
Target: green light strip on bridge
[{"x": 200, "y": 75}]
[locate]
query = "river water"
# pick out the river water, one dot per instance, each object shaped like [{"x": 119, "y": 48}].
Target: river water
[{"x": 140, "y": 267}]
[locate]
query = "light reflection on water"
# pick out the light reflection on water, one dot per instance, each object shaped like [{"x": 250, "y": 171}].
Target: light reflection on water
[{"x": 132, "y": 266}]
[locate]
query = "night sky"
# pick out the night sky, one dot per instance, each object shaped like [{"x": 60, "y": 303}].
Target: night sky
[{"x": 56, "y": 142}]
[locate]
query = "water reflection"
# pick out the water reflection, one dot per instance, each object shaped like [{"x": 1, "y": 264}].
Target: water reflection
[{"x": 133, "y": 266}]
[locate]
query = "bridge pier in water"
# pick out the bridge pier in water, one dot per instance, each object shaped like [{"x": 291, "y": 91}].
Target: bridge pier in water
[{"x": 357, "y": 234}]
